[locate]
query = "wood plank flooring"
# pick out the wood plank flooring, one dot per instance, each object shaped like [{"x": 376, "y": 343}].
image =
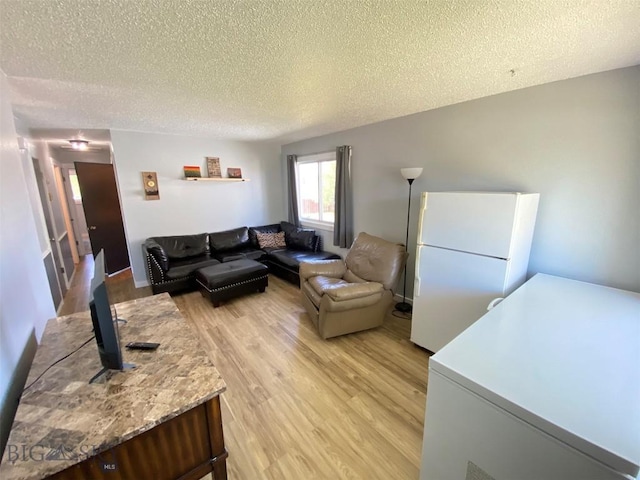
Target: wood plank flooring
[
  {"x": 120, "y": 288},
  {"x": 299, "y": 407}
]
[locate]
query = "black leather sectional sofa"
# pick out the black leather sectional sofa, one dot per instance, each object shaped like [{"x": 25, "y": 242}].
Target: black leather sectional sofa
[{"x": 172, "y": 261}]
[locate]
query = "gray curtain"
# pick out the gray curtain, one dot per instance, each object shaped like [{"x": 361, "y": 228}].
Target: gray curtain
[
  {"x": 343, "y": 227},
  {"x": 293, "y": 192}
]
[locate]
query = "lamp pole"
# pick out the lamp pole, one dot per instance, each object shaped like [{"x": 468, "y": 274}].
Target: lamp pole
[
  {"x": 403, "y": 306},
  {"x": 410, "y": 174}
]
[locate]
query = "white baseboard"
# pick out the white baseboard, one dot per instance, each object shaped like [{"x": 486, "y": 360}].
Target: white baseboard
[
  {"x": 118, "y": 272},
  {"x": 398, "y": 298},
  {"x": 144, "y": 283}
]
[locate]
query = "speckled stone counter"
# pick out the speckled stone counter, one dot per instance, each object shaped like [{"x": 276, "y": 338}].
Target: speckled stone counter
[{"x": 62, "y": 420}]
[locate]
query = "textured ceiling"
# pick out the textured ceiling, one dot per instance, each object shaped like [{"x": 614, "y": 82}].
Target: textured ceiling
[{"x": 292, "y": 69}]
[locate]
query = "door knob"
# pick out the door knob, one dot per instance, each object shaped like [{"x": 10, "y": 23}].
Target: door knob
[{"x": 92, "y": 227}]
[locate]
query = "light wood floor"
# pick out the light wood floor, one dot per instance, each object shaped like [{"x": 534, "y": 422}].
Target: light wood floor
[
  {"x": 299, "y": 407},
  {"x": 120, "y": 288}
]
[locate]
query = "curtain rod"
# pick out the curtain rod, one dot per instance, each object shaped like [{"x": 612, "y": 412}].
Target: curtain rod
[{"x": 313, "y": 153}]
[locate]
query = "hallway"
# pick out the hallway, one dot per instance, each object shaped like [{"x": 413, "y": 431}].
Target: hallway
[{"x": 120, "y": 286}]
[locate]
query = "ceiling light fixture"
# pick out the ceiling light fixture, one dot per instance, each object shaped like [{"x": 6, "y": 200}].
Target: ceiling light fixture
[{"x": 79, "y": 144}]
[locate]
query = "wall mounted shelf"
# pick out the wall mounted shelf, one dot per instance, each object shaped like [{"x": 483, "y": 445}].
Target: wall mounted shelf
[{"x": 213, "y": 179}]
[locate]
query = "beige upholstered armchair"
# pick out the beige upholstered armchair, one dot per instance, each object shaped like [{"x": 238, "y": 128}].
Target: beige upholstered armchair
[{"x": 352, "y": 295}]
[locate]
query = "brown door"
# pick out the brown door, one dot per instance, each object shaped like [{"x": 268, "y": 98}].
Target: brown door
[{"x": 102, "y": 211}]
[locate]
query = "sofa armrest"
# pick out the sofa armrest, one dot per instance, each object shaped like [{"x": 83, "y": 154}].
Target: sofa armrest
[
  {"x": 154, "y": 270},
  {"x": 326, "y": 268},
  {"x": 341, "y": 293},
  {"x": 155, "y": 249}
]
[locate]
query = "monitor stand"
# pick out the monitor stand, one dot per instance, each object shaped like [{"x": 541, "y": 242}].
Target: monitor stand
[
  {"x": 118, "y": 319},
  {"x": 125, "y": 366}
]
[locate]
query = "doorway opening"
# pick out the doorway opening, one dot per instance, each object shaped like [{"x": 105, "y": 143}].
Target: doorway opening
[{"x": 80, "y": 225}]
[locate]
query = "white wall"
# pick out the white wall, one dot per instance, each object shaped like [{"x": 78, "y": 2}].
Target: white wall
[
  {"x": 44, "y": 153},
  {"x": 34, "y": 196},
  {"x": 63, "y": 156},
  {"x": 27, "y": 152},
  {"x": 577, "y": 142},
  {"x": 192, "y": 207},
  {"x": 25, "y": 299}
]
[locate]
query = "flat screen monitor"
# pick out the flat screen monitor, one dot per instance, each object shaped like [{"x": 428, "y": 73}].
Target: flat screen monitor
[{"x": 105, "y": 325}]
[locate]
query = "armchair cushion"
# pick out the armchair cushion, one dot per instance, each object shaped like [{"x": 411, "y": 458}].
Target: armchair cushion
[
  {"x": 351, "y": 277},
  {"x": 339, "y": 290},
  {"x": 376, "y": 260},
  {"x": 351, "y": 305},
  {"x": 323, "y": 285},
  {"x": 351, "y": 291}
]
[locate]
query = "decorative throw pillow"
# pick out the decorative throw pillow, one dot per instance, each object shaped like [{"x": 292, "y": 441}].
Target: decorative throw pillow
[
  {"x": 298, "y": 238},
  {"x": 271, "y": 240},
  {"x": 273, "y": 228},
  {"x": 301, "y": 240},
  {"x": 289, "y": 227}
]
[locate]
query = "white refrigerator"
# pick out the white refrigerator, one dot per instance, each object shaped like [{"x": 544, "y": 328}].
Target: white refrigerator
[
  {"x": 472, "y": 247},
  {"x": 545, "y": 386}
]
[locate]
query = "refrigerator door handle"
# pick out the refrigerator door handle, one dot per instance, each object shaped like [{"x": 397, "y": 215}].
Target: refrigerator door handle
[
  {"x": 416, "y": 282},
  {"x": 494, "y": 302},
  {"x": 423, "y": 208}
]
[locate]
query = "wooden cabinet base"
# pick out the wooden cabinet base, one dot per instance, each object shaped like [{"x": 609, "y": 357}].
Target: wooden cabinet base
[{"x": 186, "y": 447}]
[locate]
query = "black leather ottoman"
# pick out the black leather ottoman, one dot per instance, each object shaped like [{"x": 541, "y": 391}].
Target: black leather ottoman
[{"x": 230, "y": 279}]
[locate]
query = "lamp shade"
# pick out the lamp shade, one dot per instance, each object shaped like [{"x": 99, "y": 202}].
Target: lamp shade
[{"x": 411, "y": 173}]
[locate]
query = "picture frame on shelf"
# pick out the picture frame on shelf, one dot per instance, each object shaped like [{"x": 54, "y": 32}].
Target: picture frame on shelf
[
  {"x": 213, "y": 167},
  {"x": 192, "y": 171},
  {"x": 234, "y": 172}
]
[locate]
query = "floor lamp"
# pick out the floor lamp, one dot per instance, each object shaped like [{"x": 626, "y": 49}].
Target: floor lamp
[{"x": 410, "y": 174}]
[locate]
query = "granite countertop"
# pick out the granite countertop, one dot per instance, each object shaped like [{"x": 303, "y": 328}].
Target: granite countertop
[{"x": 62, "y": 419}]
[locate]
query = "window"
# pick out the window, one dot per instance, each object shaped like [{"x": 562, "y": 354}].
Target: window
[{"x": 316, "y": 177}]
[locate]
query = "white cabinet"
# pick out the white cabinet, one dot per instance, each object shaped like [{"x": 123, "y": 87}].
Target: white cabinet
[{"x": 544, "y": 386}]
